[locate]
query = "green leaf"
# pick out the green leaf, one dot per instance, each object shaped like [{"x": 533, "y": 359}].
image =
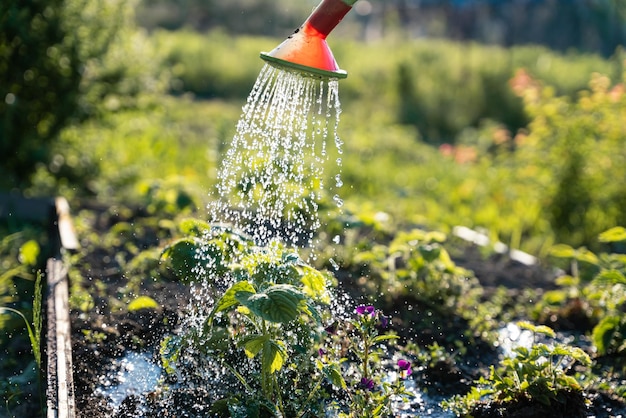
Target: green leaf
[
  {"x": 430, "y": 252},
  {"x": 538, "y": 329},
  {"x": 314, "y": 282},
  {"x": 568, "y": 382},
  {"x": 610, "y": 277},
  {"x": 29, "y": 252},
  {"x": 274, "y": 356},
  {"x": 194, "y": 227},
  {"x": 586, "y": 256},
  {"x": 194, "y": 260},
  {"x": 385, "y": 337},
  {"x": 562, "y": 251},
  {"x": 567, "y": 280},
  {"x": 333, "y": 374},
  {"x": 579, "y": 355},
  {"x": 603, "y": 333},
  {"x": 229, "y": 299},
  {"x": 183, "y": 255},
  {"x": 34, "y": 339},
  {"x": 310, "y": 309},
  {"x": 616, "y": 234},
  {"x": 253, "y": 344},
  {"x": 435, "y": 236},
  {"x": 279, "y": 303},
  {"x": 142, "y": 302}
]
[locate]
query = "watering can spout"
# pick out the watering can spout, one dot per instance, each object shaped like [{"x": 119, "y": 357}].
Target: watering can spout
[{"x": 306, "y": 50}]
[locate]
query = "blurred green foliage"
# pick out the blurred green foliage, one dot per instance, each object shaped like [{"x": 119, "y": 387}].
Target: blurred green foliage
[
  {"x": 439, "y": 86},
  {"x": 62, "y": 61},
  {"x": 434, "y": 133},
  {"x": 34, "y": 59},
  {"x": 572, "y": 152}
]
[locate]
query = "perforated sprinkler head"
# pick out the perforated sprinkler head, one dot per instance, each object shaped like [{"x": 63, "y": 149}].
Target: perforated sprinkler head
[{"x": 306, "y": 51}]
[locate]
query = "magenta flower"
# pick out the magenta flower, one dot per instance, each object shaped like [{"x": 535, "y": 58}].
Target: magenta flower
[
  {"x": 384, "y": 321},
  {"x": 405, "y": 368},
  {"x": 366, "y": 310},
  {"x": 367, "y": 384}
]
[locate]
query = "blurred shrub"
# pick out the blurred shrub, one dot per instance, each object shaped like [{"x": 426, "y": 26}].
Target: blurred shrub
[
  {"x": 574, "y": 158},
  {"x": 63, "y": 60},
  {"x": 33, "y": 59},
  {"x": 444, "y": 87},
  {"x": 212, "y": 65},
  {"x": 121, "y": 155}
]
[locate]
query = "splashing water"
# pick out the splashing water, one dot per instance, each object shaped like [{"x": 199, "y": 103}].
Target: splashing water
[
  {"x": 270, "y": 186},
  {"x": 270, "y": 181}
]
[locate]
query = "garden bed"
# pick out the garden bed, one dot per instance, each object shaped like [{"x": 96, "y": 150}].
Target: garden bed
[{"x": 109, "y": 330}]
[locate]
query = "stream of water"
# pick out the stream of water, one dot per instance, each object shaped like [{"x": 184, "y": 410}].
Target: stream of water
[{"x": 271, "y": 178}]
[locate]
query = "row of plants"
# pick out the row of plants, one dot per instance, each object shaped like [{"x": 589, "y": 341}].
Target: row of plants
[{"x": 492, "y": 176}]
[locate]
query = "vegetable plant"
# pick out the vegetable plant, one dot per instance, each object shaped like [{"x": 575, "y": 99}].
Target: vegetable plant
[
  {"x": 539, "y": 373},
  {"x": 262, "y": 327}
]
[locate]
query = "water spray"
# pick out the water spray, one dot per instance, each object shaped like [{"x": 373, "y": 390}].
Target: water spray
[{"x": 306, "y": 51}]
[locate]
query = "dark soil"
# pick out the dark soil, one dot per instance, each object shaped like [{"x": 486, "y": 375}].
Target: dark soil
[{"x": 104, "y": 335}]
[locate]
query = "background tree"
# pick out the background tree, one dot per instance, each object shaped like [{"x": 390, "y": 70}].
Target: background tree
[
  {"x": 39, "y": 82},
  {"x": 62, "y": 61}
]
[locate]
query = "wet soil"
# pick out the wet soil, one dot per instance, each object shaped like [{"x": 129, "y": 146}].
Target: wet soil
[{"x": 102, "y": 335}]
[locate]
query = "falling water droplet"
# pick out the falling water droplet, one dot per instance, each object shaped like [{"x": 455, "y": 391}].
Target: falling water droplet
[
  {"x": 336, "y": 239},
  {"x": 338, "y": 181},
  {"x": 334, "y": 264},
  {"x": 338, "y": 200}
]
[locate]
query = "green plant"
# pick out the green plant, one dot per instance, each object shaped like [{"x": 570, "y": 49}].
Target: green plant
[
  {"x": 372, "y": 386},
  {"x": 267, "y": 317},
  {"x": 416, "y": 264},
  {"x": 537, "y": 373},
  {"x": 598, "y": 282},
  {"x": 268, "y": 313},
  {"x": 34, "y": 329},
  {"x": 571, "y": 148},
  {"x": 34, "y": 335},
  {"x": 608, "y": 288}
]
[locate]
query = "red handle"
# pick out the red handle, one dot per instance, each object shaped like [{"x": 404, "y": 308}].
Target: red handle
[{"x": 326, "y": 16}]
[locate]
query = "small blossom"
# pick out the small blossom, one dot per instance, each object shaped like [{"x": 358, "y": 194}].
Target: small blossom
[
  {"x": 365, "y": 310},
  {"x": 384, "y": 321},
  {"x": 367, "y": 384},
  {"x": 405, "y": 368},
  {"x": 322, "y": 353}
]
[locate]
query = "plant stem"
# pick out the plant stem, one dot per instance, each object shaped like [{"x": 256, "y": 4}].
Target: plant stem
[{"x": 308, "y": 399}]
